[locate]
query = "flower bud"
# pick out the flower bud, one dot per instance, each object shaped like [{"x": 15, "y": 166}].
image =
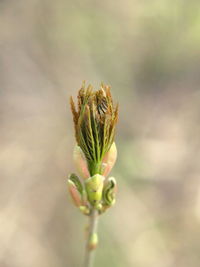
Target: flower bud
[
  {"x": 95, "y": 119},
  {"x": 85, "y": 210},
  {"x": 93, "y": 242}
]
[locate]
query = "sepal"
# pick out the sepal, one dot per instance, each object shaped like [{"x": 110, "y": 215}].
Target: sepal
[
  {"x": 74, "y": 178},
  {"x": 77, "y": 191},
  {"x": 75, "y": 194},
  {"x": 109, "y": 191}
]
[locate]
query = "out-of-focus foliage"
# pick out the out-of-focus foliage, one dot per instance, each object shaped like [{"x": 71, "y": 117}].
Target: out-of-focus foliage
[{"x": 149, "y": 51}]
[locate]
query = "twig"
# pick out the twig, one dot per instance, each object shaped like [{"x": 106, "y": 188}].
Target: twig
[{"x": 91, "y": 243}]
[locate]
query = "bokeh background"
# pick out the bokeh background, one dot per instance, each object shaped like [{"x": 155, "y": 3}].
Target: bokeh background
[{"x": 149, "y": 52}]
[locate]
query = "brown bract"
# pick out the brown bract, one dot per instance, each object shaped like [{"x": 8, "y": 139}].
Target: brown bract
[{"x": 94, "y": 120}]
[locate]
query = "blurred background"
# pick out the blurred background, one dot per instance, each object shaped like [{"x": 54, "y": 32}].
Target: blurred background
[{"x": 149, "y": 52}]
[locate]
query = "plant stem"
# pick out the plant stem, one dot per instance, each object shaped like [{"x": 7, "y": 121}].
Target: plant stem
[
  {"x": 92, "y": 229},
  {"x": 95, "y": 167}
]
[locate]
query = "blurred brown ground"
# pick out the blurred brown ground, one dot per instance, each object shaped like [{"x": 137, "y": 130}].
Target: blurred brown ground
[{"x": 149, "y": 51}]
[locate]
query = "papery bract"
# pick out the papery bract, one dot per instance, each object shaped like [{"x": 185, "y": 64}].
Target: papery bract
[
  {"x": 109, "y": 160},
  {"x": 80, "y": 162},
  {"x": 76, "y": 197}
]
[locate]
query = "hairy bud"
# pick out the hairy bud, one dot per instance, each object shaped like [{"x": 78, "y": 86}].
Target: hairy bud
[{"x": 94, "y": 121}]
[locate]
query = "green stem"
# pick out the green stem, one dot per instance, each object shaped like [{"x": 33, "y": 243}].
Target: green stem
[
  {"x": 92, "y": 230},
  {"x": 95, "y": 167}
]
